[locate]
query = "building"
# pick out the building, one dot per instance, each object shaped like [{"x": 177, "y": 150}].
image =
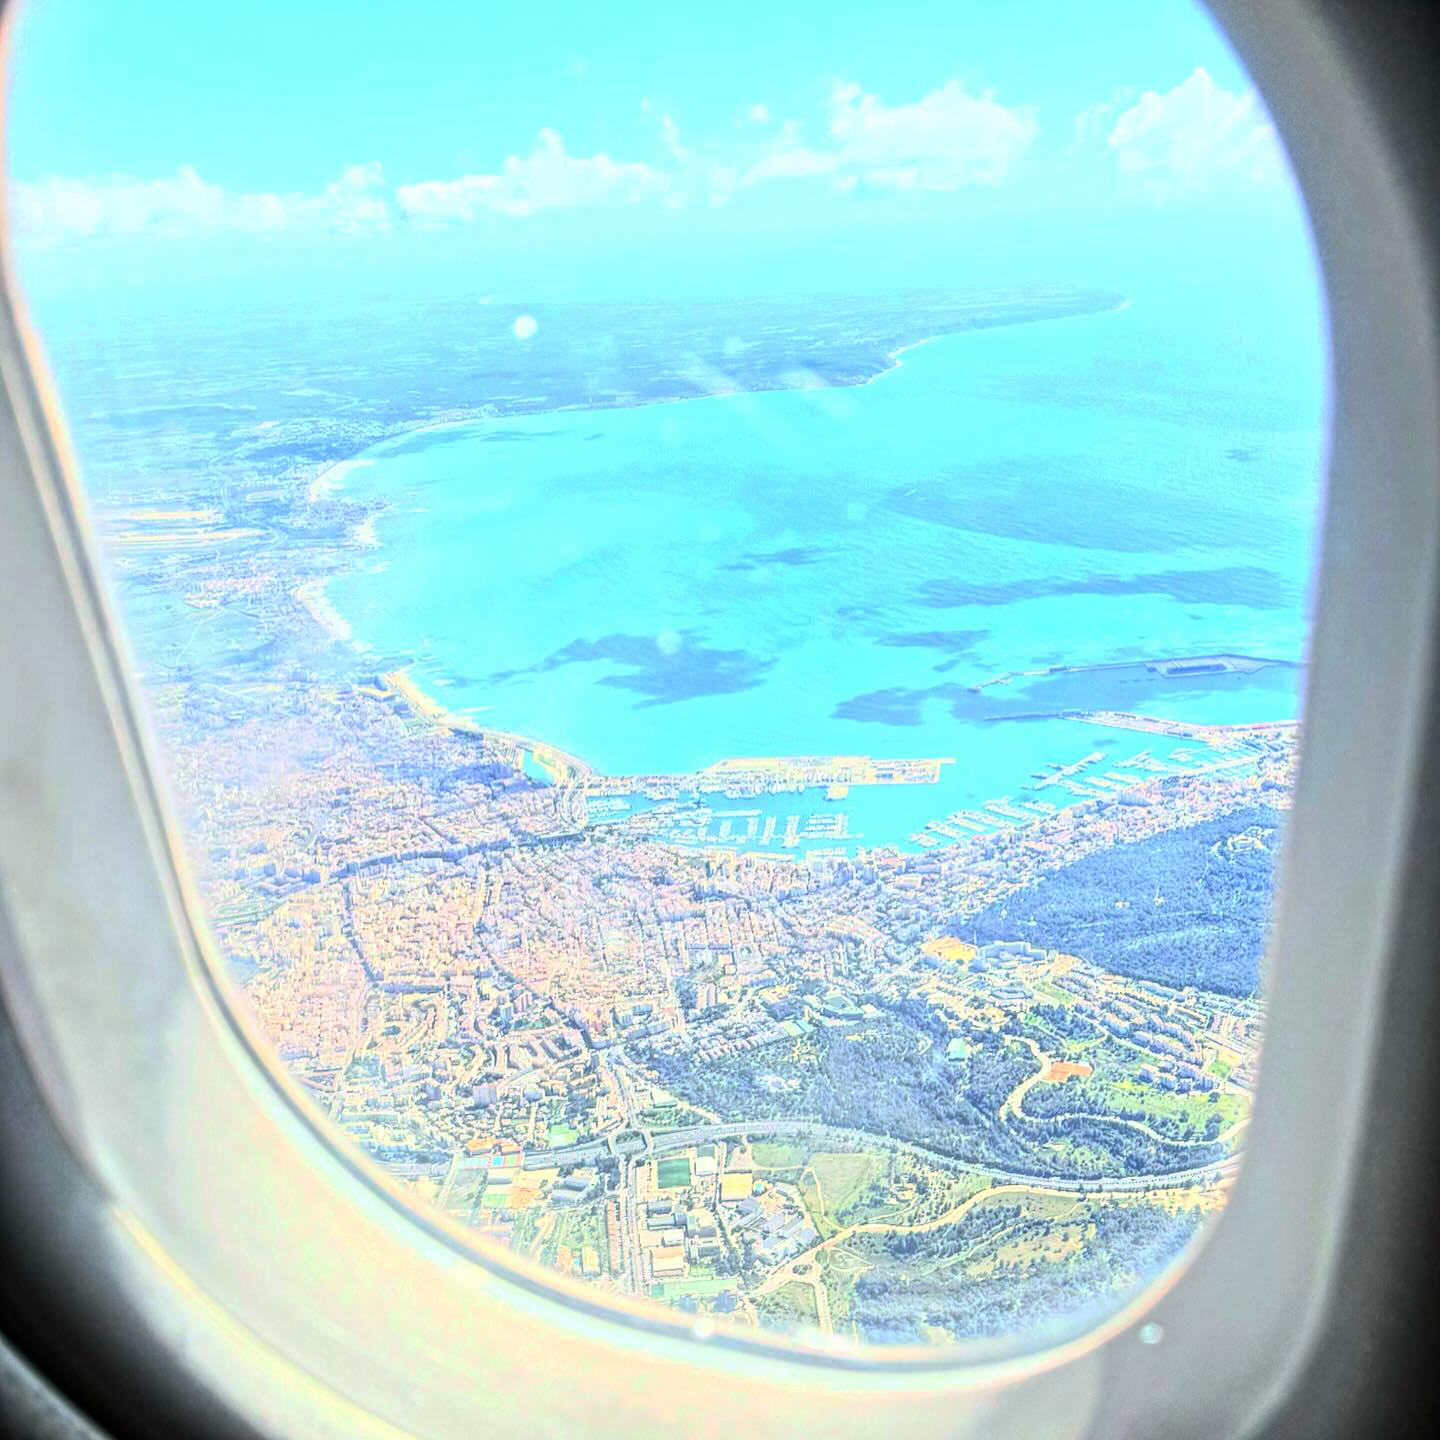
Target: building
[
  {"x": 667, "y": 1260},
  {"x": 1010, "y": 950},
  {"x": 735, "y": 1186},
  {"x": 496, "y": 1154}
]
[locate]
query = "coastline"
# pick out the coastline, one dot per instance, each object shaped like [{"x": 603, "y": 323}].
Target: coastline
[
  {"x": 896, "y": 356},
  {"x": 423, "y": 704},
  {"x": 568, "y": 771},
  {"x": 322, "y": 611},
  {"x": 896, "y": 360},
  {"x": 562, "y": 766},
  {"x": 329, "y": 480}
]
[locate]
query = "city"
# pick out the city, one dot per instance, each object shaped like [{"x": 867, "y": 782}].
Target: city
[
  {"x": 737, "y": 1083},
  {"x": 881, "y": 1046}
]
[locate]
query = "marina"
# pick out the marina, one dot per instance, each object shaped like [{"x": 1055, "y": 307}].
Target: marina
[{"x": 800, "y": 805}]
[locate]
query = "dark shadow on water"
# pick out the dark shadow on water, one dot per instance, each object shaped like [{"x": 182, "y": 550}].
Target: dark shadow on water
[
  {"x": 1131, "y": 688},
  {"x": 1249, "y": 585},
  {"x": 795, "y": 555},
  {"x": 665, "y": 670},
  {"x": 956, "y": 644}
]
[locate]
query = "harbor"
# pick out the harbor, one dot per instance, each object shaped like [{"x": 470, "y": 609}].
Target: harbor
[
  {"x": 782, "y": 815},
  {"x": 814, "y": 807}
]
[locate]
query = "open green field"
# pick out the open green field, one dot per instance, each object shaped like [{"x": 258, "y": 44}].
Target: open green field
[
  {"x": 841, "y": 1187},
  {"x": 577, "y": 1228},
  {"x": 792, "y": 1304},
  {"x": 464, "y": 1193},
  {"x": 978, "y": 1238},
  {"x": 243, "y": 912},
  {"x": 1055, "y": 993},
  {"x": 1055, "y": 1042},
  {"x": 1085, "y": 1159},
  {"x": 779, "y": 1154},
  {"x": 840, "y": 1177},
  {"x": 1116, "y": 1089},
  {"x": 693, "y": 1285},
  {"x": 672, "y": 1174},
  {"x": 522, "y": 1234},
  {"x": 964, "y": 1278},
  {"x": 1177, "y": 1117},
  {"x": 670, "y": 1115},
  {"x": 942, "y": 1191},
  {"x": 840, "y": 1268}
]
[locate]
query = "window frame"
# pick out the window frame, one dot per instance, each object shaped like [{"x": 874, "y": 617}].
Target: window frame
[{"x": 428, "y": 1332}]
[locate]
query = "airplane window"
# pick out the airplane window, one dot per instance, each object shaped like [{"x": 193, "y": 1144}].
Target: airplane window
[{"x": 724, "y": 602}]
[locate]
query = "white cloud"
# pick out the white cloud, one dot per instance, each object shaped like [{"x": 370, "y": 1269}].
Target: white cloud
[
  {"x": 548, "y": 178},
  {"x": 439, "y": 201},
  {"x": 356, "y": 201},
  {"x": 1094, "y": 123},
  {"x": 1196, "y": 137},
  {"x": 945, "y": 140},
  {"x": 670, "y": 135},
  {"x": 118, "y": 205},
  {"x": 722, "y": 181},
  {"x": 48, "y": 212},
  {"x": 792, "y": 162},
  {"x": 669, "y": 130}
]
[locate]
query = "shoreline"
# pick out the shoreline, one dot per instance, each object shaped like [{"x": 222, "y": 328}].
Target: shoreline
[
  {"x": 896, "y": 357},
  {"x": 566, "y": 769},
  {"x": 328, "y": 481},
  {"x": 311, "y": 594},
  {"x": 425, "y": 705},
  {"x": 562, "y": 766}
]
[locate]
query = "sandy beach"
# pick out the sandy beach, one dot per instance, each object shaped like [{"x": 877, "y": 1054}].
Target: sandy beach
[
  {"x": 327, "y": 482},
  {"x": 313, "y": 597}
]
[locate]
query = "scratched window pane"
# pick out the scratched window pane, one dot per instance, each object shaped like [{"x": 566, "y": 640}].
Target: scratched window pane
[{"x": 725, "y": 609}]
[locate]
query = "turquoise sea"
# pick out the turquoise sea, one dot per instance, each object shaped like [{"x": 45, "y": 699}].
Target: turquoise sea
[{"x": 829, "y": 570}]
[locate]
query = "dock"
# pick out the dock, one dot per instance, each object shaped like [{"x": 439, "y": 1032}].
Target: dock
[{"x": 777, "y": 775}]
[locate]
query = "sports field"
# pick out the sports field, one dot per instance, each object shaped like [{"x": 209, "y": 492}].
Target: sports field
[{"x": 671, "y": 1174}]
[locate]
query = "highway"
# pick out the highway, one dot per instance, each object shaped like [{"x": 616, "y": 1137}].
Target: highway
[{"x": 595, "y": 1150}]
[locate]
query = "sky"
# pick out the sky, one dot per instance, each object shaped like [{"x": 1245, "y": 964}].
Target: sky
[{"x": 577, "y": 150}]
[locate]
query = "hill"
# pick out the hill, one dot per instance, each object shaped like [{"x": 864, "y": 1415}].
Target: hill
[{"x": 1187, "y": 907}]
